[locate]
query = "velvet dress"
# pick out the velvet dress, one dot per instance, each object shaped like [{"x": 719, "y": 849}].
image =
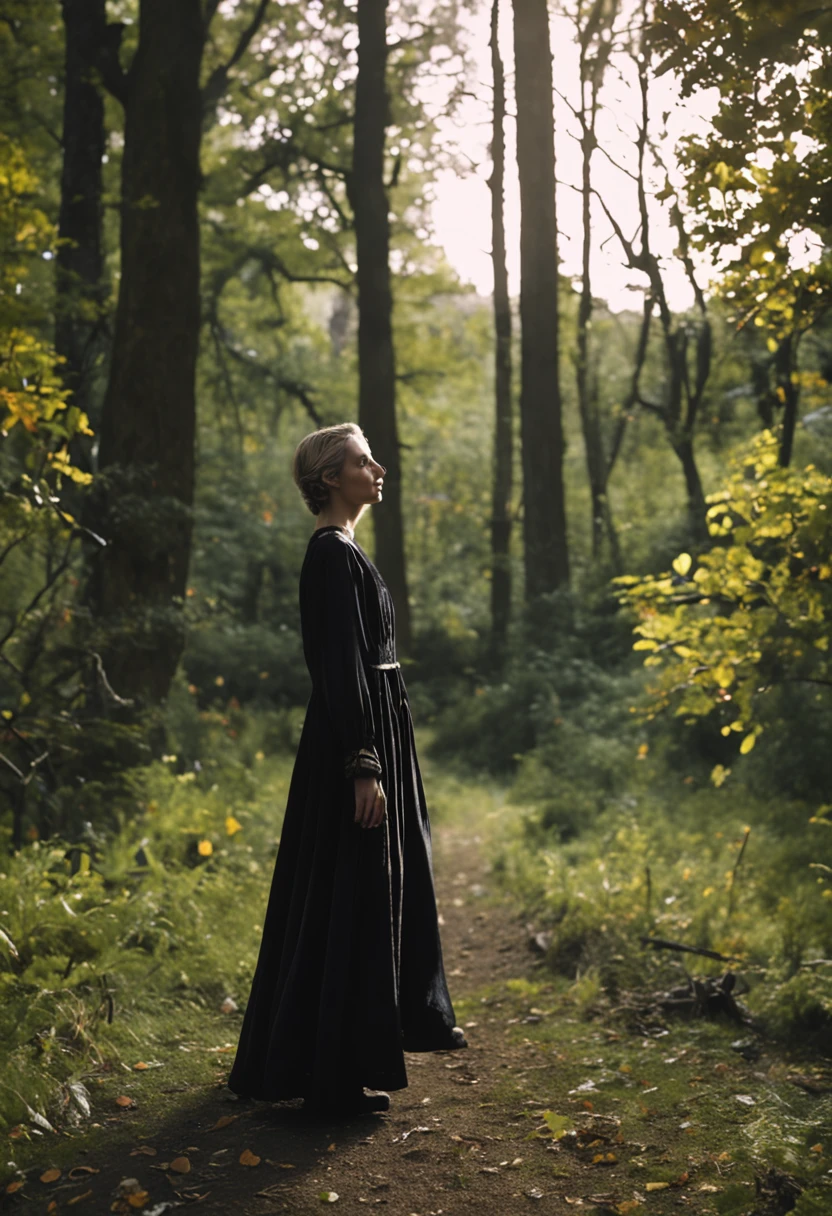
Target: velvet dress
[{"x": 349, "y": 974}]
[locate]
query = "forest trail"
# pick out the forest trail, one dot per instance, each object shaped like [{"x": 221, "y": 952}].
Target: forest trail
[{"x": 651, "y": 1124}]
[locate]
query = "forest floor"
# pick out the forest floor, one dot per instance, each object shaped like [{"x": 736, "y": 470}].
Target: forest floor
[{"x": 547, "y": 1110}]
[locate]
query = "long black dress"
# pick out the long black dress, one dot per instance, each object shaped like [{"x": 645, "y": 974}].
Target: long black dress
[{"x": 349, "y": 974}]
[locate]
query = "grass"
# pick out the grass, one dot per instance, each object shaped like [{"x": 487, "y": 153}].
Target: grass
[{"x": 675, "y": 1114}]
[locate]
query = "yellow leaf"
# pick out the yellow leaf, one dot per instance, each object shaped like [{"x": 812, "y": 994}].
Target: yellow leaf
[
  {"x": 719, "y": 775},
  {"x": 232, "y": 825},
  {"x": 747, "y": 744},
  {"x": 79, "y": 1198},
  {"x": 682, "y": 563},
  {"x": 657, "y": 1186},
  {"x": 205, "y": 848},
  {"x": 50, "y": 1175},
  {"x": 247, "y": 1157},
  {"x": 223, "y": 1121}
]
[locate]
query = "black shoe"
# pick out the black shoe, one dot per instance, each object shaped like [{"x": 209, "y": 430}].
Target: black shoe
[{"x": 458, "y": 1038}]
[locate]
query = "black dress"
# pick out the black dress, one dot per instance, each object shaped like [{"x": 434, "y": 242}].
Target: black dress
[{"x": 349, "y": 974}]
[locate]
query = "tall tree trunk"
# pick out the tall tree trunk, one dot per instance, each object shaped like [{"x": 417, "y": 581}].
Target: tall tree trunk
[
  {"x": 788, "y": 392},
  {"x": 544, "y": 511},
  {"x": 376, "y": 360},
  {"x": 145, "y": 487},
  {"x": 79, "y": 263},
  {"x": 503, "y": 429},
  {"x": 587, "y": 400},
  {"x": 594, "y": 27}
]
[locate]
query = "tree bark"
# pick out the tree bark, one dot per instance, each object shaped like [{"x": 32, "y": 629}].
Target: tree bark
[
  {"x": 367, "y": 194},
  {"x": 501, "y": 519},
  {"x": 78, "y": 274},
  {"x": 788, "y": 393},
  {"x": 144, "y": 491},
  {"x": 544, "y": 513}
]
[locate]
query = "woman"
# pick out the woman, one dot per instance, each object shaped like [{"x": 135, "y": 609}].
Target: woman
[{"x": 350, "y": 973}]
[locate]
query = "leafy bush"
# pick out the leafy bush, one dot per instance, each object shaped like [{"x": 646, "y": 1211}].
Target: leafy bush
[
  {"x": 156, "y": 916},
  {"x": 752, "y": 613}
]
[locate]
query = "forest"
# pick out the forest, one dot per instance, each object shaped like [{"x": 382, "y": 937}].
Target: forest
[{"x": 568, "y": 265}]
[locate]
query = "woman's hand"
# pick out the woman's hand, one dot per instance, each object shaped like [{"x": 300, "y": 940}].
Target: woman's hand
[{"x": 370, "y": 802}]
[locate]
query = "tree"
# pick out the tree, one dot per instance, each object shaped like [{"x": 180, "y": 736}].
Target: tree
[
  {"x": 750, "y": 614},
  {"x": 544, "y": 508},
  {"x": 686, "y": 341},
  {"x": 594, "y": 23},
  {"x": 501, "y": 505},
  {"x": 142, "y": 498},
  {"x": 80, "y": 291},
  {"x": 38, "y": 539},
  {"x": 367, "y": 194},
  {"x": 758, "y": 179}
]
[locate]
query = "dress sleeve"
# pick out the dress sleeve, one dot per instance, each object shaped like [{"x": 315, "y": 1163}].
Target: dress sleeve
[{"x": 343, "y": 677}]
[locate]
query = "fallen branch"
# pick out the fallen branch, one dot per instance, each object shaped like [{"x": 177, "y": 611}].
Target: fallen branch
[{"x": 661, "y": 943}]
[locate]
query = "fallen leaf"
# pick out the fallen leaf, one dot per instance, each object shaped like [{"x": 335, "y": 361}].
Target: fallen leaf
[
  {"x": 657, "y": 1186},
  {"x": 143, "y": 1150},
  {"x": 331, "y": 1148},
  {"x": 604, "y": 1159},
  {"x": 78, "y": 1171},
  {"x": 181, "y": 1165},
  {"x": 534, "y": 1193},
  {"x": 15, "y": 1186},
  {"x": 328, "y": 1196},
  {"x": 78, "y": 1198},
  {"x": 709, "y": 1187},
  {"x": 140, "y": 1066},
  {"x": 247, "y": 1157},
  {"x": 50, "y": 1175},
  {"x": 223, "y": 1122},
  {"x": 123, "y": 1100},
  {"x": 138, "y": 1199},
  {"x": 558, "y": 1125},
  {"x": 285, "y": 1165},
  {"x": 746, "y": 1099}
]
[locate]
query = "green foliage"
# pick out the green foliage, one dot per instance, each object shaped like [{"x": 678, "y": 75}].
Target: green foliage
[
  {"x": 667, "y": 856},
  {"x": 161, "y": 908},
  {"x": 722, "y": 629}
]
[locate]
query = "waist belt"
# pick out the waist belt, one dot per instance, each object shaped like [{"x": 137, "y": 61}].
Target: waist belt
[{"x": 384, "y": 666}]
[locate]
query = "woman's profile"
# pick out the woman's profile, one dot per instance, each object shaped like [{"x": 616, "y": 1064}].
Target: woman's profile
[{"x": 349, "y": 974}]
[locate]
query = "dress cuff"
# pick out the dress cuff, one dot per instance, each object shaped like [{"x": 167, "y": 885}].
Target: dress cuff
[{"x": 363, "y": 763}]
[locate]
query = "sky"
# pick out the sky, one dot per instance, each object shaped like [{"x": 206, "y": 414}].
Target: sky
[{"x": 462, "y": 204}]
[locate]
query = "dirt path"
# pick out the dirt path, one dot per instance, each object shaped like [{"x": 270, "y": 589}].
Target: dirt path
[{"x": 651, "y": 1125}]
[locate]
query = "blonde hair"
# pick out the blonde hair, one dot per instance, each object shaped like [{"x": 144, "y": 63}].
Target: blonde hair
[{"x": 318, "y": 455}]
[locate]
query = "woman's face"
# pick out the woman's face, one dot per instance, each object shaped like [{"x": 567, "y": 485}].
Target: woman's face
[{"x": 360, "y": 480}]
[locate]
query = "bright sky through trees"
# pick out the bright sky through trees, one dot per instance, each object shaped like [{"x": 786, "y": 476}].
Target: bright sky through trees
[{"x": 462, "y": 206}]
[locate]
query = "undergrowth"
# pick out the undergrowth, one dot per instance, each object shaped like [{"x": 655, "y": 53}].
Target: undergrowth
[
  {"x": 672, "y": 857},
  {"x": 143, "y": 923}
]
